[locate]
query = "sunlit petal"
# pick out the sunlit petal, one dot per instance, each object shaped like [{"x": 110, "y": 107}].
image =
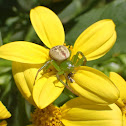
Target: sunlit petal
[
  {"x": 24, "y": 75},
  {"x": 46, "y": 90},
  {"x": 76, "y": 113},
  {"x": 120, "y": 83},
  {"x": 4, "y": 113},
  {"x": 96, "y": 40},
  {"x": 94, "y": 85},
  {"x": 48, "y": 26},
  {"x": 25, "y": 52},
  {"x": 77, "y": 102}
]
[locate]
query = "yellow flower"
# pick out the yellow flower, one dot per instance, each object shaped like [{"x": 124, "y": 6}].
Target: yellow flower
[
  {"x": 121, "y": 85},
  {"x": 82, "y": 112},
  {"x": 4, "y": 114},
  {"x": 76, "y": 113},
  {"x": 89, "y": 83},
  {"x": 117, "y": 111}
]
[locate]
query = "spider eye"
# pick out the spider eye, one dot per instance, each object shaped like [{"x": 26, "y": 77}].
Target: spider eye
[{"x": 59, "y": 53}]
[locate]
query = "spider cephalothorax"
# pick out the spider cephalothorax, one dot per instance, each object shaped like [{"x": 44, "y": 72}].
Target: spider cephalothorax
[{"x": 60, "y": 60}]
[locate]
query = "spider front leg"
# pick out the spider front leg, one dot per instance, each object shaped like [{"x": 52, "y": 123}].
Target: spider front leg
[
  {"x": 58, "y": 77},
  {"x": 79, "y": 61},
  {"x": 45, "y": 65}
]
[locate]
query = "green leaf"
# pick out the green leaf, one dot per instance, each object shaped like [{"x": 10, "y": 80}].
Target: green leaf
[
  {"x": 27, "y": 4},
  {"x": 75, "y": 8}
]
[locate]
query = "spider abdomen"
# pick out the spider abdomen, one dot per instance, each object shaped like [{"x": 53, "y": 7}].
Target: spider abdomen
[{"x": 59, "y": 53}]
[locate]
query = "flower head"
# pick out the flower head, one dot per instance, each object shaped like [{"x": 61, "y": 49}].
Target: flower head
[
  {"x": 89, "y": 83},
  {"x": 77, "y": 112},
  {"x": 4, "y": 114},
  {"x": 114, "y": 114},
  {"x": 51, "y": 115}
]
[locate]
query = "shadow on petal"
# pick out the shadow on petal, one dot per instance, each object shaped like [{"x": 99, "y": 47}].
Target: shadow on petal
[{"x": 24, "y": 75}]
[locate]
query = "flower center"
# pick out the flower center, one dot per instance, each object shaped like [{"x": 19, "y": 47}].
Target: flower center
[{"x": 49, "y": 116}]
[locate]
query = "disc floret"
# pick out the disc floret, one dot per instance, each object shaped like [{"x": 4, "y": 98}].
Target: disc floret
[{"x": 49, "y": 116}]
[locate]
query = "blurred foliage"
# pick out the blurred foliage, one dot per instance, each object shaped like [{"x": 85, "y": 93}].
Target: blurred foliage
[{"x": 76, "y": 16}]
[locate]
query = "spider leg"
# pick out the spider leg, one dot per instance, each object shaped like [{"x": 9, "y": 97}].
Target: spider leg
[
  {"x": 83, "y": 58},
  {"x": 77, "y": 61},
  {"x": 74, "y": 58},
  {"x": 69, "y": 77},
  {"x": 47, "y": 63},
  {"x": 58, "y": 77},
  {"x": 46, "y": 68},
  {"x": 65, "y": 75},
  {"x": 56, "y": 66}
]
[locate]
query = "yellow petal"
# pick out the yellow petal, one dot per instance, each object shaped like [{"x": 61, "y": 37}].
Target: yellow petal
[
  {"x": 3, "y": 123},
  {"x": 76, "y": 113},
  {"x": 96, "y": 40},
  {"x": 124, "y": 120},
  {"x": 24, "y": 75},
  {"x": 94, "y": 85},
  {"x": 46, "y": 90},
  {"x": 25, "y": 52},
  {"x": 77, "y": 102},
  {"x": 120, "y": 83},
  {"x": 48, "y": 26},
  {"x": 4, "y": 113}
]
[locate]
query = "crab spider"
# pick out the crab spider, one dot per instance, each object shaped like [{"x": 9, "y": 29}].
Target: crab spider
[{"x": 60, "y": 60}]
